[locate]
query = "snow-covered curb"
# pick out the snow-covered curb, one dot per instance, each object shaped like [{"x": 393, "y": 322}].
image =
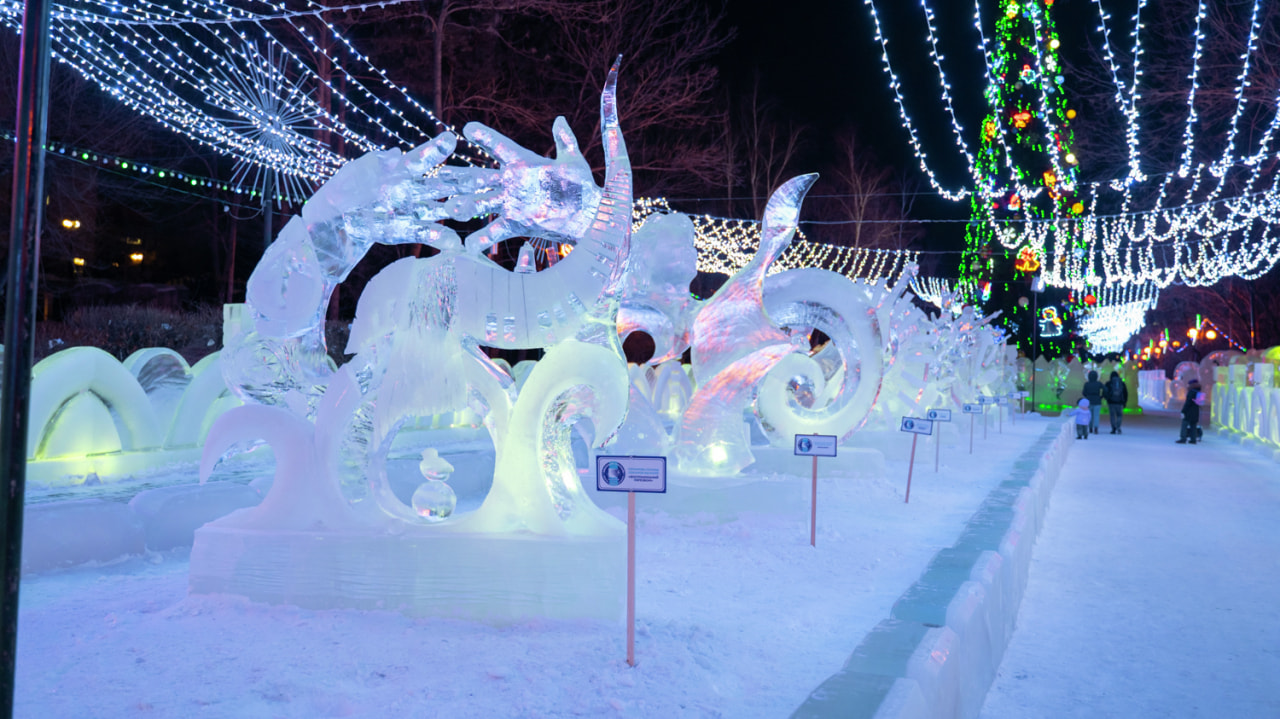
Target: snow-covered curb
[
  {"x": 937, "y": 653},
  {"x": 65, "y": 534}
]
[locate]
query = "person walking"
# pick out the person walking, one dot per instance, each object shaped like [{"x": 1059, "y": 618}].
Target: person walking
[
  {"x": 1083, "y": 415},
  {"x": 1191, "y": 414},
  {"x": 1093, "y": 392},
  {"x": 1117, "y": 395}
]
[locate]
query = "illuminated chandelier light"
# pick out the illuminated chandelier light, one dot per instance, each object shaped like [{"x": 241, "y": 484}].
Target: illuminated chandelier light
[
  {"x": 276, "y": 113},
  {"x": 202, "y": 69},
  {"x": 1119, "y": 314}
]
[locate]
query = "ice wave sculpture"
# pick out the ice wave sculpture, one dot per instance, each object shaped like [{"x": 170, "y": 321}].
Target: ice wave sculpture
[
  {"x": 416, "y": 341},
  {"x": 750, "y": 345},
  {"x": 833, "y": 391}
]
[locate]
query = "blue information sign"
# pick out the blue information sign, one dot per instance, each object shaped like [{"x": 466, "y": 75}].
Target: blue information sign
[
  {"x": 816, "y": 445},
  {"x": 631, "y": 474}
]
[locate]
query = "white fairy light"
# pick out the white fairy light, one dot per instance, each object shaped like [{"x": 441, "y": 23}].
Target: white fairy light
[
  {"x": 1119, "y": 314},
  {"x": 726, "y": 245},
  {"x": 896, "y": 86},
  {"x": 933, "y": 290},
  {"x": 1197, "y": 237},
  {"x": 200, "y": 70}
]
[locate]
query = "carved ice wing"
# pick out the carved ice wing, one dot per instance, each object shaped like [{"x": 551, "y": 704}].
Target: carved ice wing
[{"x": 733, "y": 323}]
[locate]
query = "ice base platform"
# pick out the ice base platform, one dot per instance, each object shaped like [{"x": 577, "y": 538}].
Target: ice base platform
[{"x": 494, "y": 578}]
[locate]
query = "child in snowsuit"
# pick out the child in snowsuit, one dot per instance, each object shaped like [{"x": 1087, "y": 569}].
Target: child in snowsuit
[
  {"x": 1083, "y": 416},
  {"x": 1191, "y": 414}
]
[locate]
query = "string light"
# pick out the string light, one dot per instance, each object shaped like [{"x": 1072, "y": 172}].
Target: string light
[
  {"x": 726, "y": 245},
  {"x": 1194, "y": 235},
  {"x": 896, "y": 86},
  {"x": 155, "y": 174},
  {"x": 213, "y": 72},
  {"x": 934, "y": 290},
  {"x": 1119, "y": 314}
]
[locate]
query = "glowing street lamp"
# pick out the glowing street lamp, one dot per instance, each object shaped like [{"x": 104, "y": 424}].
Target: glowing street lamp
[
  {"x": 71, "y": 224},
  {"x": 136, "y": 258}
]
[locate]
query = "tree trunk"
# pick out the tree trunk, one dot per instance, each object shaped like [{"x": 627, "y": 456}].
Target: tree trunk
[
  {"x": 231, "y": 264},
  {"x": 437, "y": 46}
]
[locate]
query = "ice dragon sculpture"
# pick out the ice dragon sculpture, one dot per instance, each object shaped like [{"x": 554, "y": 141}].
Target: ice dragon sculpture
[{"x": 416, "y": 340}]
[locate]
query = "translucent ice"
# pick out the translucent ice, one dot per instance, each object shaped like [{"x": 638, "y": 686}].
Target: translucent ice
[
  {"x": 844, "y": 311},
  {"x": 735, "y": 344},
  {"x": 655, "y": 289}
]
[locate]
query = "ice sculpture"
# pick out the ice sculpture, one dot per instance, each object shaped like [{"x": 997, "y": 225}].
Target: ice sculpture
[
  {"x": 1058, "y": 371},
  {"x": 831, "y": 392},
  {"x": 537, "y": 545},
  {"x": 92, "y": 416},
  {"x": 735, "y": 344},
  {"x": 433, "y": 499},
  {"x": 655, "y": 289}
]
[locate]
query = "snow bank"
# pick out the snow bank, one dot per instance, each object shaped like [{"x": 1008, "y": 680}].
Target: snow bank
[{"x": 63, "y": 534}]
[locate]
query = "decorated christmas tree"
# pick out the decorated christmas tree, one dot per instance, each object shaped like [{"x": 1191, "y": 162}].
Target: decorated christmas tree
[{"x": 1025, "y": 172}]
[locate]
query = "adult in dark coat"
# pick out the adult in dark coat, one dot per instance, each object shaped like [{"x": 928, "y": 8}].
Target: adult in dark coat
[
  {"x": 1190, "y": 415},
  {"x": 1093, "y": 392},
  {"x": 1117, "y": 395}
]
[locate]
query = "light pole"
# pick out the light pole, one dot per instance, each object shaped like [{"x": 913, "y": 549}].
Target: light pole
[
  {"x": 25, "y": 220},
  {"x": 1037, "y": 286}
]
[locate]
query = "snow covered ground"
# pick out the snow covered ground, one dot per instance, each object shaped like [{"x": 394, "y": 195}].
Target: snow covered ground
[
  {"x": 737, "y": 617},
  {"x": 1153, "y": 587}
]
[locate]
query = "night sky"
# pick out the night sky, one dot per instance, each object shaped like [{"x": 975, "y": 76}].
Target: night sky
[{"x": 820, "y": 58}]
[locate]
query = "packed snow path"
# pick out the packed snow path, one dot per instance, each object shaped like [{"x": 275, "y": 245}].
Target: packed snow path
[{"x": 1153, "y": 585}]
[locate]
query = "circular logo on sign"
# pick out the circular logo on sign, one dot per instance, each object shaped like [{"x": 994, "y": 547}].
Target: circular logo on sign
[
  {"x": 804, "y": 444},
  {"x": 908, "y": 424},
  {"x": 933, "y": 414},
  {"x": 613, "y": 474}
]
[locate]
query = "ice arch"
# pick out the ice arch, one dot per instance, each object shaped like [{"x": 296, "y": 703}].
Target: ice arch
[{"x": 58, "y": 384}]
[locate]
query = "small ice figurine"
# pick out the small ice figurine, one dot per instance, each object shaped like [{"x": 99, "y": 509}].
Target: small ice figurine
[
  {"x": 525, "y": 262},
  {"x": 434, "y": 500}
]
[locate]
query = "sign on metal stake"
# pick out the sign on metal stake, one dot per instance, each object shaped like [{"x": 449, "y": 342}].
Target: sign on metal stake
[
  {"x": 916, "y": 426},
  {"x": 631, "y": 475},
  {"x": 937, "y": 415},
  {"x": 971, "y": 410},
  {"x": 815, "y": 445}
]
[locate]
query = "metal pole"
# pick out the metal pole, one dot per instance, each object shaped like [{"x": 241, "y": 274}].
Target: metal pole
[
  {"x": 813, "y": 506},
  {"x": 20, "y": 317},
  {"x": 911, "y": 466},
  {"x": 631, "y": 579},
  {"x": 1035, "y": 327},
  {"x": 937, "y": 448}
]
